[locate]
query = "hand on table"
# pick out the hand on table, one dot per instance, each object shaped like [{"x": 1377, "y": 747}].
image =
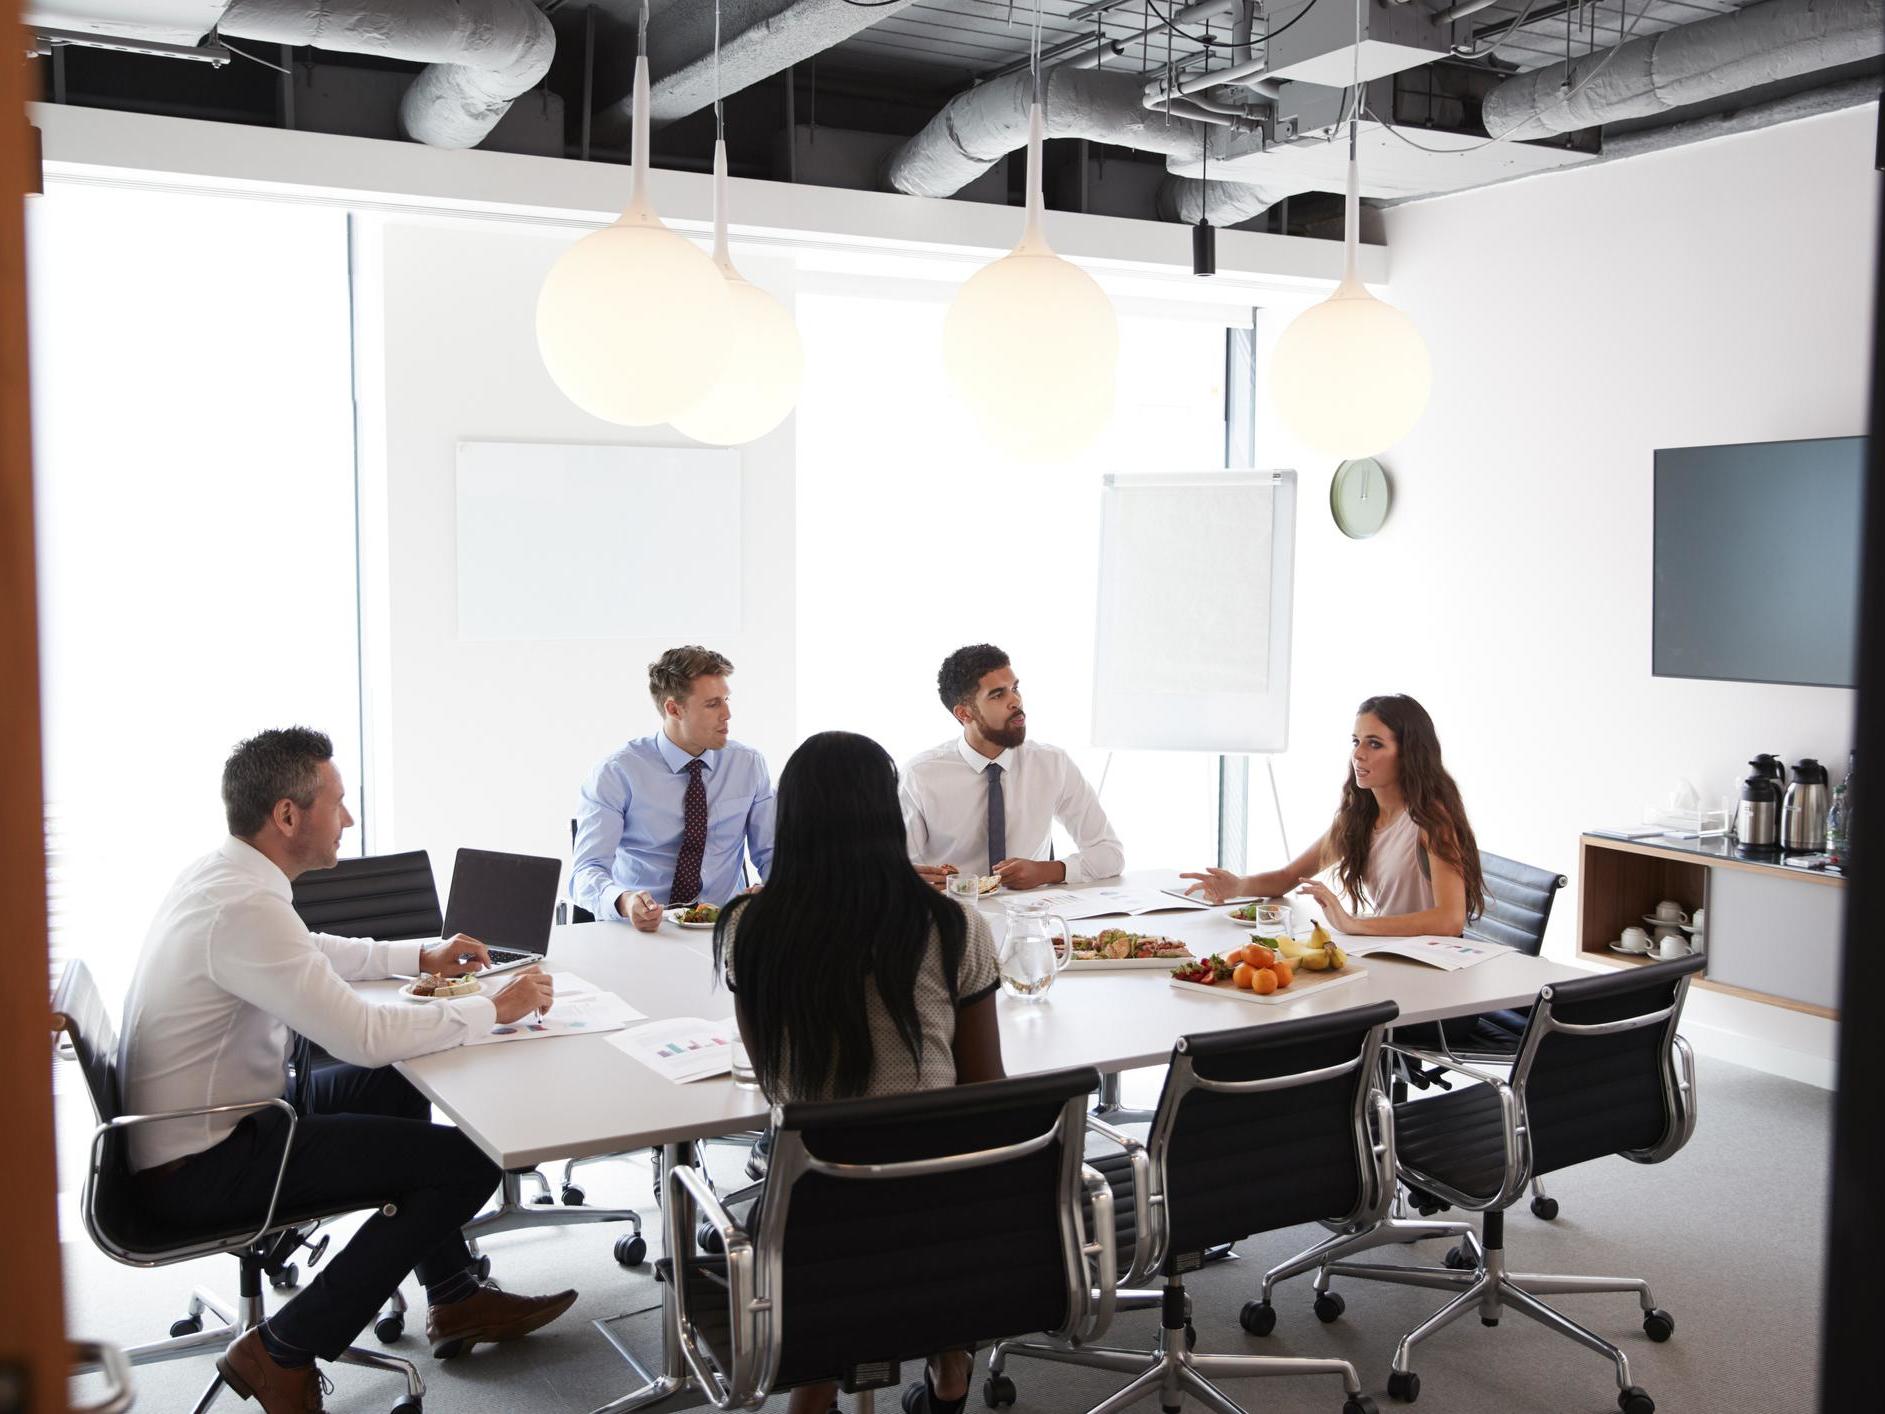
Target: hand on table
[
  {"x": 1029, "y": 873},
  {"x": 1339, "y": 918},
  {"x": 934, "y": 874},
  {"x": 530, "y": 990},
  {"x": 640, "y": 909},
  {"x": 1217, "y": 885},
  {"x": 454, "y": 957}
]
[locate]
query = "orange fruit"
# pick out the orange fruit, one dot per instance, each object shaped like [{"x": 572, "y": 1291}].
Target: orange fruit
[
  {"x": 1257, "y": 955},
  {"x": 1243, "y": 974},
  {"x": 1285, "y": 974},
  {"x": 1263, "y": 982}
]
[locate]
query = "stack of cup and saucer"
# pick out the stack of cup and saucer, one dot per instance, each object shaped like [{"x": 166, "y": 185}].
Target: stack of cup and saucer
[{"x": 1672, "y": 928}]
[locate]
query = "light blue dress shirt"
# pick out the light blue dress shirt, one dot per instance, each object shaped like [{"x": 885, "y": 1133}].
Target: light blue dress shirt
[{"x": 628, "y": 829}]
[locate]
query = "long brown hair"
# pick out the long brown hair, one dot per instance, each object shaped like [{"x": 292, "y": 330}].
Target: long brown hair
[{"x": 1433, "y": 800}]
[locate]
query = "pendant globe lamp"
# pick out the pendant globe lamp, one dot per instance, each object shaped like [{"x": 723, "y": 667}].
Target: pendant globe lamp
[
  {"x": 633, "y": 322},
  {"x": 1031, "y": 343},
  {"x": 1351, "y": 376},
  {"x": 759, "y": 385}
]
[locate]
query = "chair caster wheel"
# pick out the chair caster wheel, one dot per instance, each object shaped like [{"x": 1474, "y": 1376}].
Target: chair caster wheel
[
  {"x": 708, "y": 1238},
  {"x": 482, "y": 1267},
  {"x": 631, "y": 1251},
  {"x": 1636, "y": 1400},
  {"x": 448, "y": 1350},
  {"x": 543, "y": 1200},
  {"x": 189, "y": 1325},
  {"x": 998, "y": 1390},
  {"x": 1360, "y": 1404},
  {"x": 573, "y": 1196},
  {"x": 1329, "y": 1307},
  {"x": 1488, "y": 1321},
  {"x": 1658, "y": 1325},
  {"x": 285, "y": 1278},
  {"x": 411, "y": 1404},
  {"x": 1544, "y": 1208},
  {"x": 1404, "y": 1387},
  {"x": 1257, "y": 1317},
  {"x": 389, "y": 1328},
  {"x": 1459, "y": 1259}
]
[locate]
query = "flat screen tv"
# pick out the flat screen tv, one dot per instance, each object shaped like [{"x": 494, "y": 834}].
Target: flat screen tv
[{"x": 1757, "y": 561}]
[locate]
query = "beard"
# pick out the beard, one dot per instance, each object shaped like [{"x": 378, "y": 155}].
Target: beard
[{"x": 1010, "y": 733}]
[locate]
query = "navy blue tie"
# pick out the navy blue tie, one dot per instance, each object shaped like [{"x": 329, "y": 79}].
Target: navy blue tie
[{"x": 997, "y": 818}]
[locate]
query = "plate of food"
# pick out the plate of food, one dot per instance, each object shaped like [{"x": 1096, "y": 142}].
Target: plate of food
[
  {"x": 430, "y": 987},
  {"x": 1115, "y": 949},
  {"x": 695, "y": 915},
  {"x": 1259, "y": 973}
]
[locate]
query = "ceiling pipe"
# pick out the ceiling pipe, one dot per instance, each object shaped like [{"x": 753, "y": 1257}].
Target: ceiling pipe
[
  {"x": 975, "y": 130},
  {"x": 1711, "y": 58},
  {"x": 1190, "y": 201},
  {"x": 479, "y": 54}
]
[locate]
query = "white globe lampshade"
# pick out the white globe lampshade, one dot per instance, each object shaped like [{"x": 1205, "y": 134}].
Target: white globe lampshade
[
  {"x": 1351, "y": 375},
  {"x": 759, "y": 385},
  {"x": 634, "y": 323},
  {"x": 1031, "y": 344}
]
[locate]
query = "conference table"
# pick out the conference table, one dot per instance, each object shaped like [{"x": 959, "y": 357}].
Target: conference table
[{"x": 530, "y": 1102}]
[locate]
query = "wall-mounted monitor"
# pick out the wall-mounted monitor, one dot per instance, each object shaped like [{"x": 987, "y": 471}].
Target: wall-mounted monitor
[{"x": 1757, "y": 561}]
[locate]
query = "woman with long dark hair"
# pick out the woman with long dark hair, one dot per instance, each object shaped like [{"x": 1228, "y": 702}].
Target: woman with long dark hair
[
  {"x": 1404, "y": 855},
  {"x": 851, "y": 976}
]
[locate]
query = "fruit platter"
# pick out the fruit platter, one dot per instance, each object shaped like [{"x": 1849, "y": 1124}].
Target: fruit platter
[
  {"x": 1270, "y": 969},
  {"x": 1116, "y": 950}
]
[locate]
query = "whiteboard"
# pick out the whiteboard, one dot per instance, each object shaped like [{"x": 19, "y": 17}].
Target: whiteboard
[
  {"x": 591, "y": 542},
  {"x": 1196, "y": 592}
]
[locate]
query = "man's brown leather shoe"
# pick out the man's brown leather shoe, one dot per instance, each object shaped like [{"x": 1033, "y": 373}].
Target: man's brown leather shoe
[
  {"x": 489, "y": 1314},
  {"x": 249, "y": 1370}
]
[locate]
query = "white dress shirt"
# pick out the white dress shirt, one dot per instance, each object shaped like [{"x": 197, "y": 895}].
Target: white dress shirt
[
  {"x": 945, "y": 809},
  {"x": 227, "y": 968}
]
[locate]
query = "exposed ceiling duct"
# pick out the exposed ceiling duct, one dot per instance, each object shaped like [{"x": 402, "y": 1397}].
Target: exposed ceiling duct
[
  {"x": 975, "y": 130},
  {"x": 758, "y": 38},
  {"x": 480, "y": 54},
  {"x": 1724, "y": 54},
  {"x": 1190, "y": 200}
]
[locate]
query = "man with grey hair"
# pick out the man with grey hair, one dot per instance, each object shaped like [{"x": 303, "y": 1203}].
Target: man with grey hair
[
  {"x": 669, "y": 818},
  {"x": 228, "y": 970}
]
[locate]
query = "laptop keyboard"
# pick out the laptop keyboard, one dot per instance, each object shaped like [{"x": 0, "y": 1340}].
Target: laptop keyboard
[{"x": 501, "y": 957}]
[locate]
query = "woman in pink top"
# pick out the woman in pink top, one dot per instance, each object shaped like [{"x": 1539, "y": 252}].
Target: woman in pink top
[{"x": 1400, "y": 840}]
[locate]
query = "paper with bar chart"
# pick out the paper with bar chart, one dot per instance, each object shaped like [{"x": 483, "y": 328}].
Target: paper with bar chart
[
  {"x": 580, "y": 1008},
  {"x": 682, "y": 1048}
]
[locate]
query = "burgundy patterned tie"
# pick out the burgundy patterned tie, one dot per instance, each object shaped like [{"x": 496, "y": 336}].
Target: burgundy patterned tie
[{"x": 693, "y": 837}]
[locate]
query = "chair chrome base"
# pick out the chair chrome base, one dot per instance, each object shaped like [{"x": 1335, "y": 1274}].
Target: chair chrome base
[
  {"x": 512, "y": 1213},
  {"x": 1172, "y": 1370},
  {"x": 1388, "y": 1232},
  {"x": 1488, "y": 1288}
]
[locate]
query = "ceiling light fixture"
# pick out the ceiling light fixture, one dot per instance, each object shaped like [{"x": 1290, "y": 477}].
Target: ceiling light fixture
[
  {"x": 634, "y": 323},
  {"x": 1351, "y": 375},
  {"x": 759, "y": 386},
  {"x": 1031, "y": 342}
]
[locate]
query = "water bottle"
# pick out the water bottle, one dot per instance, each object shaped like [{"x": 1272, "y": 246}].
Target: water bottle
[{"x": 1839, "y": 819}]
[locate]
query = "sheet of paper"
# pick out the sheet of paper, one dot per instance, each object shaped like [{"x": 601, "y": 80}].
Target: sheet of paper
[
  {"x": 1109, "y": 902},
  {"x": 1448, "y": 954},
  {"x": 1202, "y": 903},
  {"x": 682, "y": 1048},
  {"x": 581, "y": 1009}
]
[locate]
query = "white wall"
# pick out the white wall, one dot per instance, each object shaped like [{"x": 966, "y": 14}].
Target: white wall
[
  {"x": 487, "y": 743},
  {"x": 1710, "y": 294}
]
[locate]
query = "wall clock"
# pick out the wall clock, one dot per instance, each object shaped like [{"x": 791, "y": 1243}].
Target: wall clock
[{"x": 1359, "y": 497}]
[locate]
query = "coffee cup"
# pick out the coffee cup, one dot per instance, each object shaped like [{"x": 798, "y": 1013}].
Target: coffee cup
[
  {"x": 1667, "y": 934},
  {"x": 1634, "y": 940},
  {"x": 1700, "y": 922},
  {"x": 1669, "y": 911},
  {"x": 1671, "y": 944}
]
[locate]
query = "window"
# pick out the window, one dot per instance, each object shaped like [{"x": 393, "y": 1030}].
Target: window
[
  {"x": 197, "y": 568},
  {"x": 913, "y": 541}
]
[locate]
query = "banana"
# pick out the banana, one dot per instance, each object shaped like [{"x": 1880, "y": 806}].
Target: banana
[
  {"x": 1314, "y": 960},
  {"x": 1337, "y": 958},
  {"x": 1319, "y": 936},
  {"x": 1291, "y": 948}
]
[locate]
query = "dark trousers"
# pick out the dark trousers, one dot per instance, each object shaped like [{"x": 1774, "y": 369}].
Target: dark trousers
[{"x": 364, "y": 1140}]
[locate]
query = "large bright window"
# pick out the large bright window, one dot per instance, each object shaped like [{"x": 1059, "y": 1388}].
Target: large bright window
[
  {"x": 197, "y": 568},
  {"x": 914, "y": 540}
]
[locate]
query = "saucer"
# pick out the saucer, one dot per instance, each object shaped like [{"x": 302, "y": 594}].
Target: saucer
[
  {"x": 1632, "y": 952},
  {"x": 1667, "y": 922}
]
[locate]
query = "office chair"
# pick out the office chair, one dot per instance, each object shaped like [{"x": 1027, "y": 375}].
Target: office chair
[
  {"x": 1600, "y": 1070},
  {"x": 891, "y": 1228},
  {"x": 1256, "y": 1129},
  {"x": 1518, "y": 908},
  {"x": 379, "y": 896},
  {"x": 137, "y": 1239},
  {"x": 576, "y": 913}
]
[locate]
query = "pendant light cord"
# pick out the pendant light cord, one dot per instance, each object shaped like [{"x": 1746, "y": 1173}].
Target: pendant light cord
[{"x": 719, "y": 117}]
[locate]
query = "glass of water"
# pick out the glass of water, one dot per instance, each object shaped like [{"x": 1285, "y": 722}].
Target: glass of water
[
  {"x": 964, "y": 888},
  {"x": 743, "y": 1073}
]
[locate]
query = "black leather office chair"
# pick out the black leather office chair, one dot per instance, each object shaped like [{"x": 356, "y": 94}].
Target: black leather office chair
[
  {"x": 892, "y": 1228},
  {"x": 1256, "y": 1129},
  {"x": 379, "y": 896},
  {"x": 571, "y": 911},
  {"x": 125, "y": 1233},
  {"x": 1600, "y": 1070}
]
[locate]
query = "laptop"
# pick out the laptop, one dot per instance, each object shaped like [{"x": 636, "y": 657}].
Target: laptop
[{"x": 505, "y": 901}]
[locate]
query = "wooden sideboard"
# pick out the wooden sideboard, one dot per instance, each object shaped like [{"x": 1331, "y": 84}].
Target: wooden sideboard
[{"x": 1773, "y": 932}]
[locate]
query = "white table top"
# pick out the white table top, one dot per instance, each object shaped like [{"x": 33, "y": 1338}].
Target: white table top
[{"x": 530, "y": 1102}]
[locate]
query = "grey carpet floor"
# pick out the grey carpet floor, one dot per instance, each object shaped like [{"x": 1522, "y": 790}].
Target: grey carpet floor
[{"x": 1729, "y": 1233}]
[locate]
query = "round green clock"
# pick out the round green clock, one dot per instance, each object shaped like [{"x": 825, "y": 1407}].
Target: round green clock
[{"x": 1359, "y": 497}]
